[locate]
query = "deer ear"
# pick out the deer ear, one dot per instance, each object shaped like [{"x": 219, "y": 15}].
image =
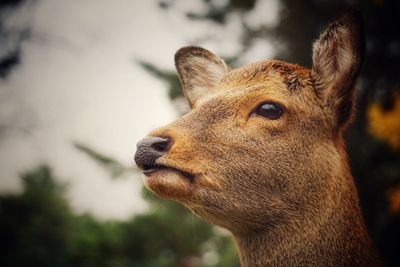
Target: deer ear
[
  {"x": 199, "y": 71},
  {"x": 337, "y": 57}
]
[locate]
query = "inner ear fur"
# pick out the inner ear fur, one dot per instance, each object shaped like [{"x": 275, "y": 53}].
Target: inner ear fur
[
  {"x": 199, "y": 71},
  {"x": 337, "y": 58}
]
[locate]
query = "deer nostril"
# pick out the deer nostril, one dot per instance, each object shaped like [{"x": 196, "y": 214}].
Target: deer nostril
[
  {"x": 150, "y": 148},
  {"x": 162, "y": 144}
]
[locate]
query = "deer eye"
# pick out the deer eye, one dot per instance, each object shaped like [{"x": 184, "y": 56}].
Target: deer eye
[{"x": 270, "y": 110}]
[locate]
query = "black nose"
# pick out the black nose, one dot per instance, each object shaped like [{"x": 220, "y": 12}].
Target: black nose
[{"x": 149, "y": 149}]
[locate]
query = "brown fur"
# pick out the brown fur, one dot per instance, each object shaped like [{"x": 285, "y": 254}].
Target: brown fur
[{"x": 282, "y": 187}]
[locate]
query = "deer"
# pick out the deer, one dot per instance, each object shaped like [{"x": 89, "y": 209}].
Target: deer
[{"x": 261, "y": 153}]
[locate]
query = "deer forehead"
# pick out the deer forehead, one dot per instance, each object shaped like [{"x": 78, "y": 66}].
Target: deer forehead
[
  {"x": 287, "y": 84},
  {"x": 293, "y": 76},
  {"x": 272, "y": 77}
]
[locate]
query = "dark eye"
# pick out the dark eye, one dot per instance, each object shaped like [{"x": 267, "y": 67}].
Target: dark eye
[{"x": 270, "y": 110}]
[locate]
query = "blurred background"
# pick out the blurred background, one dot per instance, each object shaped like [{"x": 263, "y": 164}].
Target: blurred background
[{"x": 82, "y": 81}]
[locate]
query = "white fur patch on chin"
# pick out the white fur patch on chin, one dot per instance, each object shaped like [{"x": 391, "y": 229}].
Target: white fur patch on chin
[{"x": 168, "y": 184}]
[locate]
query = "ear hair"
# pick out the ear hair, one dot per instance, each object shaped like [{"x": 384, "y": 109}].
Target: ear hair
[
  {"x": 337, "y": 57},
  {"x": 199, "y": 71}
]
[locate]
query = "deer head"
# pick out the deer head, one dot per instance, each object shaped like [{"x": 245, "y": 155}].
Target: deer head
[{"x": 262, "y": 147}]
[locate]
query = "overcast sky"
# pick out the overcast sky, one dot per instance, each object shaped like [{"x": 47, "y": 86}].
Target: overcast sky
[{"x": 78, "y": 81}]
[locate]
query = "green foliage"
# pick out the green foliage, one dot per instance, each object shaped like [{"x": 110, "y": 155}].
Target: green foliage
[
  {"x": 38, "y": 228},
  {"x": 34, "y": 224}
]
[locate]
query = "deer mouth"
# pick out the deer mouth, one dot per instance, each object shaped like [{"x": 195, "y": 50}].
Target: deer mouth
[{"x": 150, "y": 169}]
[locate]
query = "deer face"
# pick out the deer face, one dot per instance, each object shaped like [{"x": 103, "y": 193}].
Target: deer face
[{"x": 261, "y": 143}]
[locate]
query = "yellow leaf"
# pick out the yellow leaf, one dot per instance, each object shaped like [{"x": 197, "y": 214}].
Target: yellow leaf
[
  {"x": 394, "y": 200},
  {"x": 385, "y": 125}
]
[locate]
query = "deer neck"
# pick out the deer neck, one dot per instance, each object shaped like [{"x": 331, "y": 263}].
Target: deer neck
[{"x": 331, "y": 237}]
